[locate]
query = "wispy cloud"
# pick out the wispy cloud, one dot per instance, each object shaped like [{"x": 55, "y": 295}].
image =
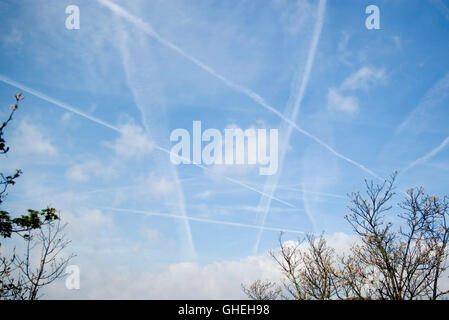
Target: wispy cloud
[
  {"x": 29, "y": 139},
  {"x": 338, "y": 100},
  {"x": 83, "y": 172},
  {"x": 363, "y": 78},
  {"x": 161, "y": 186},
  {"x": 132, "y": 142}
]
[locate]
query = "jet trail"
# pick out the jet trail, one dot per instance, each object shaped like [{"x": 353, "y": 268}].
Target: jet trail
[
  {"x": 148, "y": 29},
  {"x": 57, "y": 102},
  {"x": 231, "y": 179},
  {"x": 139, "y": 91},
  {"x": 272, "y": 182},
  {"x": 226, "y": 223},
  {"x": 112, "y": 127}
]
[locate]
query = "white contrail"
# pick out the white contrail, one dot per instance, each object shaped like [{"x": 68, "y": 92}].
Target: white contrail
[
  {"x": 131, "y": 79},
  {"x": 226, "y": 223},
  {"x": 56, "y": 102},
  {"x": 272, "y": 181},
  {"x": 428, "y": 156},
  {"x": 110, "y": 126},
  {"x": 148, "y": 29},
  {"x": 231, "y": 179}
]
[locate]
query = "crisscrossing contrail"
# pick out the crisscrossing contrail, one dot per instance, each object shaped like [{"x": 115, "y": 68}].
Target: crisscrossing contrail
[
  {"x": 296, "y": 97},
  {"x": 148, "y": 29},
  {"x": 72, "y": 109}
]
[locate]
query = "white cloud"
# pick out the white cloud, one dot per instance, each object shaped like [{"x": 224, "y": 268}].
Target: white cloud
[
  {"x": 161, "y": 186},
  {"x": 363, "y": 78},
  {"x": 338, "y": 102},
  {"x": 341, "y": 242},
  {"x": 82, "y": 172},
  {"x": 30, "y": 139},
  {"x": 86, "y": 221},
  {"x": 183, "y": 280},
  {"x": 77, "y": 173},
  {"x": 133, "y": 142}
]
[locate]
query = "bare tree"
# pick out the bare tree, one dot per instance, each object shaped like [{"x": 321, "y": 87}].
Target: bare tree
[
  {"x": 289, "y": 259},
  {"x": 262, "y": 290},
  {"x": 46, "y": 245},
  {"x": 400, "y": 263},
  {"x": 408, "y": 262}
]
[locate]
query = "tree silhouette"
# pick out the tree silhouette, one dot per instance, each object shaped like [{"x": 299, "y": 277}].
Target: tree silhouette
[{"x": 387, "y": 263}]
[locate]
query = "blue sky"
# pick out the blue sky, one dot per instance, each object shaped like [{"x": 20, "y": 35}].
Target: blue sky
[{"x": 101, "y": 101}]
